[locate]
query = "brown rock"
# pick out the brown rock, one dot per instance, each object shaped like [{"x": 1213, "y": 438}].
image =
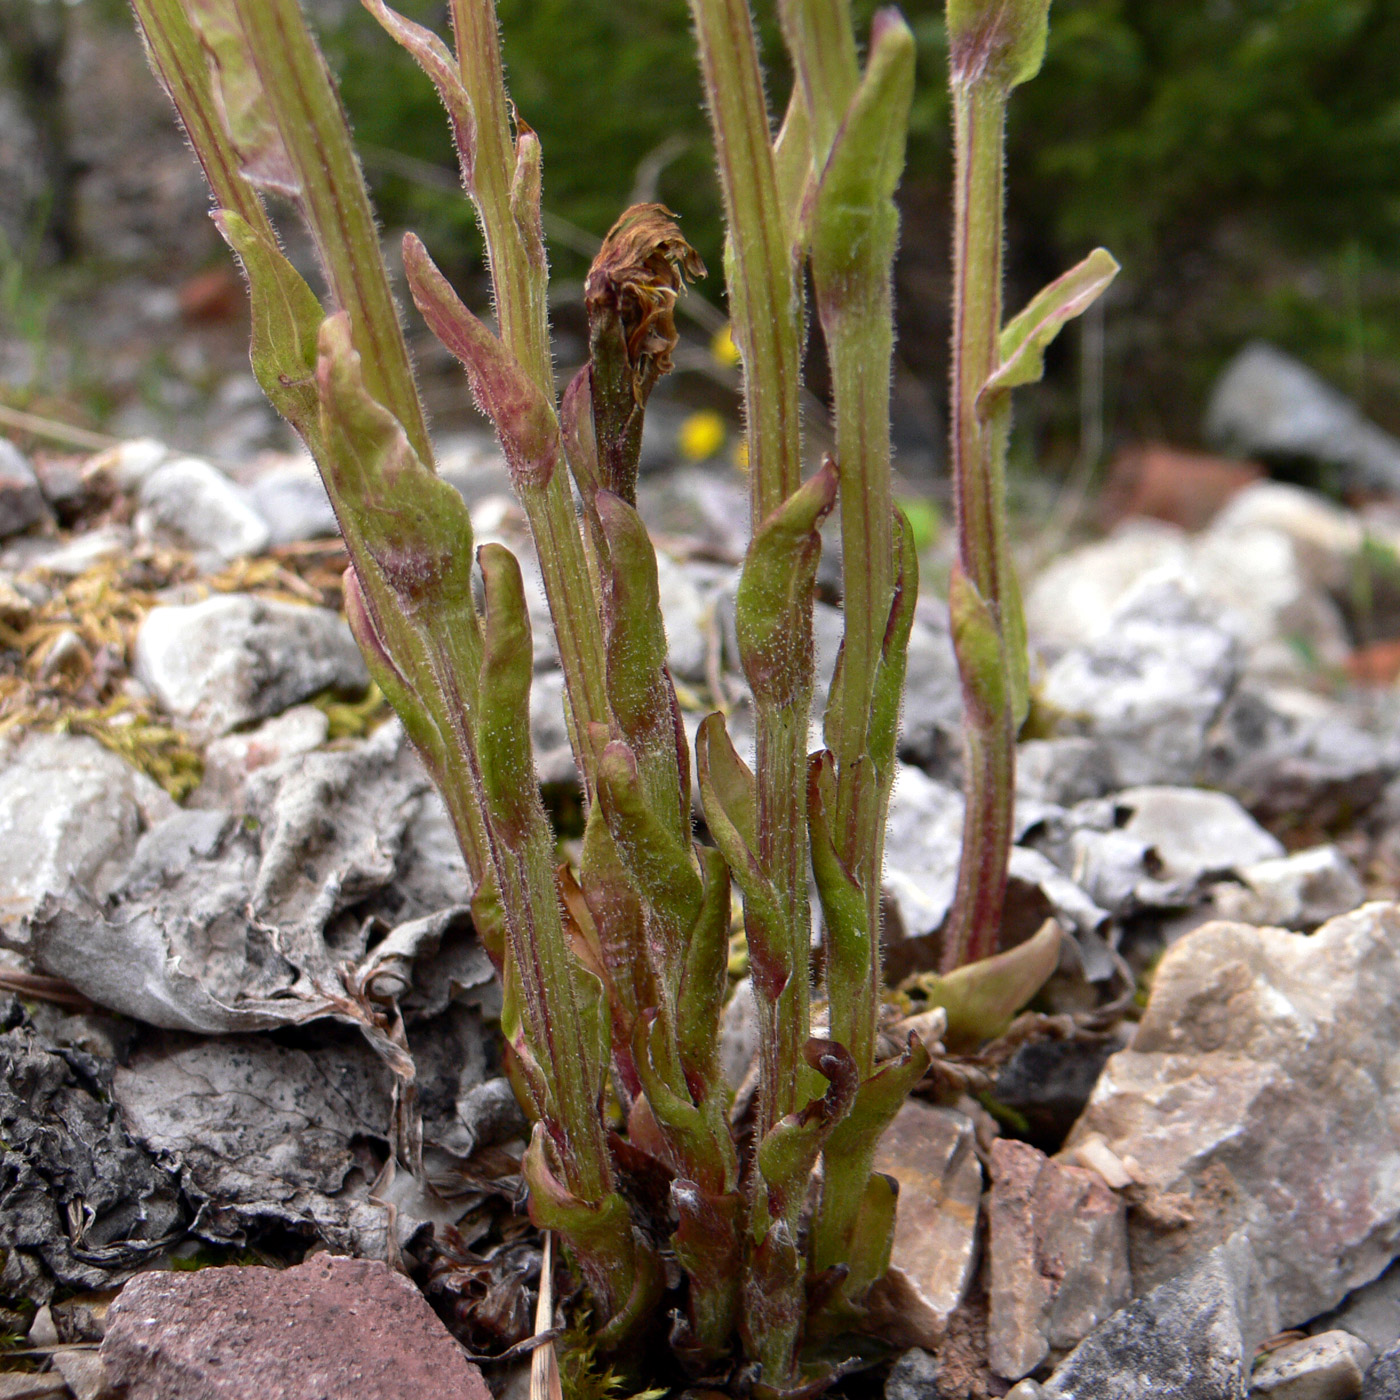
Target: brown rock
[
  {"x": 16, "y": 1385},
  {"x": 931, "y": 1153},
  {"x": 1058, "y": 1247},
  {"x": 330, "y": 1329},
  {"x": 1182, "y": 488}
]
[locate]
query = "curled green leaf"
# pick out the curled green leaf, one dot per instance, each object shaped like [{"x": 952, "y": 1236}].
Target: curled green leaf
[
  {"x": 436, "y": 60},
  {"x": 773, "y": 603},
  {"x": 1024, "y": 340},
  {"x": 978, "y": 644},
  {"x": 854, "y": 222},
  {"x": 287, "y": 320},
  {"x": 238, "y": 88},
  {"x": 503, "y": 728}
]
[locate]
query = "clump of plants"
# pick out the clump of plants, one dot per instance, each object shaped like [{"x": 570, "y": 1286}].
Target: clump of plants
[{"x": 615, "y": 968}]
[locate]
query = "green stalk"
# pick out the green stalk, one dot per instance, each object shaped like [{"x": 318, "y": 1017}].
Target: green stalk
[
  {"x": 993, "y": 46},
  {"x": 503, "y": 181},
  {"x": 173, "y": 48},
  {"x": 765, "y": 306},
  {"x": 979, "y": 497},
  {"x": 853, "y": 238},
  {"x": 331, "y": 192}
]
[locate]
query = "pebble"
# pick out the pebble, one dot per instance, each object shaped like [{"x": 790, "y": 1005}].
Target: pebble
[
  {"x": 1328, "y": 1366},
  {"x": 292, "y": 502},
  {"x": 1299, "y": 891},
  {"x": 85, "y": 1374},
  {"x": 71, "y": 813},
  {"x": 1382, "y": 1380},
  {"x": 1268, "y": 405},
  {"x": 1372, "y": 1312},
  {"x": 1058, "y": 1257},
  {"x": 235, "y": 658},
  {"x": 931, "y": 1152},
  {"x": 22, "y": 503},
  {"x": 1187, "y": 1339},
  {"x": 914, "y": 1376},
  {"x": 332, "y": 1326},
  {"x": 46, "y": 1385},
  {"x": 1149, "y": 687},
  {"x": 193, "y": 505}
]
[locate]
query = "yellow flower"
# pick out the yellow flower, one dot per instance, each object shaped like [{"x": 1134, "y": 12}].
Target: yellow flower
[
  {"x": 723, "y": 348},
  {"x": 701, "y": 435}
]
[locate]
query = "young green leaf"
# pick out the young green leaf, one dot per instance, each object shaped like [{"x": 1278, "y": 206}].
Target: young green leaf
[
  {"x": 982, "y": 997},
  {"x": 1024, "y": 340},
  {"x": 524, "y": 418},
  {"x": 997, "y": 41},
  {"x": 978, "y": 644},
  {"x": 435, "y": 59}
]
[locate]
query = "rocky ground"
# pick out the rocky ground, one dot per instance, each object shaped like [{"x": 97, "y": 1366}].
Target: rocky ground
[{"x": 238, "y": 969}]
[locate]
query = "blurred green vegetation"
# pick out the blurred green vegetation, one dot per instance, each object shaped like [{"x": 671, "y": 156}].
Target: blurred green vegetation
[{"x": 1241, "y": 157}]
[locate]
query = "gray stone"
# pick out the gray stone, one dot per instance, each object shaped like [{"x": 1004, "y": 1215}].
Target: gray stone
[
  {"x": 1152, "y": 847},
  {"x": 1372, "y": 1313},
  {"x": 1187, "y": 1339},
  {"x": 220, "y": 925},
  {"x": 1260, "y": 1096},
  {"x": 931, "y": 725},
  {"x": 235, "y": 658},
  {"x": 292, "y": 501},
  {"x": 1062, "y": 772},
  {"x": 71, "y": 813},
  {"x": 1382, "y": 1380},
  {"x": 194, "y": 505},
  {"x": 738, "y": 1036},
  {"x": 129, "y": 463},
  {"x": 1257, "y": 578},
  {"x": 1325, "y": 535},
  {"x": 554, "y": 756},
  {"x": 1328, "y": 1366},
  {"x": 1058, "y": 1257},
  {"x": 1048, "y": 1082},
  {"x": 1299, "y": 891},
  {"x": 22, "y": 503},
  {"x": 47, "y": 1385},
  {"x": 914, "y": 1376},
  {"x": 1268, "y": 405},
  {"x": 1149, "y": 687},
  {"x": 264, "y": 1135},
  {"x": 1071, "y": 602},
  {"x": 328, "y": 1327},
  {"x": 931, "y": 1152},
  {"x": 923, "y": 839},
  {"x": 85, "y": 1374},
  {"x": 229, "y": 762},
  {"x": 67, "y": 557},
  {"x": 472, "y": 463},
  {"x": 1193, "y": 832},
  {"x": 708, "y": 507},
  {"x": 687, "y": 617},
  {"x": 1282, "y": 751}
]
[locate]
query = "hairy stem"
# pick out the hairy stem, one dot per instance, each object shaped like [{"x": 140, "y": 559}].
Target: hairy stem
[
  {"x": 978, "y": 452},
  {"x": 765, "y": 304}
]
